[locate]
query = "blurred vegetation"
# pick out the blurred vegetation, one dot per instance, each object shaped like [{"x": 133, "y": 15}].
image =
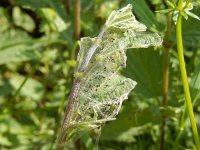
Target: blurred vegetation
[{"x": 38, "y": 48}]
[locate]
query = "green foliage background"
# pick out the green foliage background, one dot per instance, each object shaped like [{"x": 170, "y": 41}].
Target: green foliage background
[{"x": 37, "y": 57}]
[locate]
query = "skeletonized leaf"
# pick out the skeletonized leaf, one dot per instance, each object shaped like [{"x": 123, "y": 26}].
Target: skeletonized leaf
[
  {"x": 103, "y": 88},
  {"x": 85, "y": 44},
  {"x": 124, "y": 19}
]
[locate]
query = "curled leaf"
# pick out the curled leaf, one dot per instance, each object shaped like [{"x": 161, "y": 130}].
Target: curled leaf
[{"x": 102, "y": 88}]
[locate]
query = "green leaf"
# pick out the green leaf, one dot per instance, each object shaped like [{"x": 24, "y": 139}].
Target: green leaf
[
  {"x": 170, "y": 4},
  {"x": 12, "y": 38},
  {"x": 102, "y": 87},
  {"x": 145, "y": 66},
  {"x": 164, "y": 11},
  {"x": 169, "y": 111},
  {"x": 22, "y": 19},
  {"x": 189, "y": 6},
  {"x": 105, "y": 8},
  {"x": 35, "y": 4},
  {"x": 53, "y": 19},
  {"x": 195, "y": 84},
  {"x": 87, "y": 140},
  {"x": 84, "y": 44},
  {"x": 192, "y": 15},
  {"x": 38, "y": 4},
  {"x": 5, "y": 24},
  {"x": 101, "y": 83},
  {"x": 184, "y": 15},
  {"x": 32, "y": 88},
  {"x": 18, "y": 55},
  {"x": 4, "y": 141},
  {"x": 17, "y": 46},
  {"x": 146, "y": 16},
  {"x": 131, "y": 117},
  {"x": 5, "y": 87},
  {"x": 124, "y": 19},
  {"x": 191, "y": 34},
  {"x": 54, "y": 14},
  {"x": 133, "y": 121}
]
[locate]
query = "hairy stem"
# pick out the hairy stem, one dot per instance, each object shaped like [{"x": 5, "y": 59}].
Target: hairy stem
[
  {"x": 184, "y": 76},
  {"x": 74, "y": 93},
  {"x": 68, "y": 113},
  {"x": 166, "y": 46}
]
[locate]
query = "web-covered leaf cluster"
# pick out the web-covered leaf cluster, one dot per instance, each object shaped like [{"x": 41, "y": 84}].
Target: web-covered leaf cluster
[{"x": 103, "y": 88}]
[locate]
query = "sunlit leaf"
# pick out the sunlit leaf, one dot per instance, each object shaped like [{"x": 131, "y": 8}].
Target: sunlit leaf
[
  {"x": 145, "y": 14},
  {"x": 17, "y": 46},
  {"x": 23, "y": 20},
  {"x": 102, "y": 87},
  {"x": 164, "y": 11},
  {"x": 184, "y": 15},
  {"x": 170, "y": 4},
  {"x": 32, "y": 88},
  {"x": 192, "y": 15}
]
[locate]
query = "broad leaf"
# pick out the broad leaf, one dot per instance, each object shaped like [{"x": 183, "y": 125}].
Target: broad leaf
[
  {"x": 17, "y": 46},
  {"x": 32, "y": 88},
  {"x": 145, "y": 66},
  {"x": 144, "y": 13},
  {"x": 131, "y": 118},
  {"x": 38, "y": 4},
  {"x": 195, "y": 84},
  {"x": 124, "y": 19}
]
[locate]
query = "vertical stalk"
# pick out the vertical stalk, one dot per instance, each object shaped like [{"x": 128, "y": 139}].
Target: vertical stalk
[
  {"x": 181, "y": 127},
  {"x": 67, "y": 6},
  {"x": 166, "y": 46},
  {"x": 74, "y": 93},
  {"x": 77, "y": 19},
  {"x": 68, "y": 113},
  {"x": 184, "y": 76}
]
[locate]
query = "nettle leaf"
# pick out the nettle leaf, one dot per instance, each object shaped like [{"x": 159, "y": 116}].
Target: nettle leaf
[
  {"x": 103, "y": 88},
  {"x": 124, "y": 19}
]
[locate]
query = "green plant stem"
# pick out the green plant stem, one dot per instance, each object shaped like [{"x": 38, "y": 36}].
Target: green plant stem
[
  {"x": 181, "y": 127},
  {"x": 73, "y": 95},
  {"x": 68, "y": 113},
  {"x": 166, "y": 47},
  {"x": 20, "y": 87},
  {"x": 77, "y": 19},
  {"x": 67, "y": 6},
  {"x": 184, "y": 77},
  {"x": 180, "y": 4}
]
